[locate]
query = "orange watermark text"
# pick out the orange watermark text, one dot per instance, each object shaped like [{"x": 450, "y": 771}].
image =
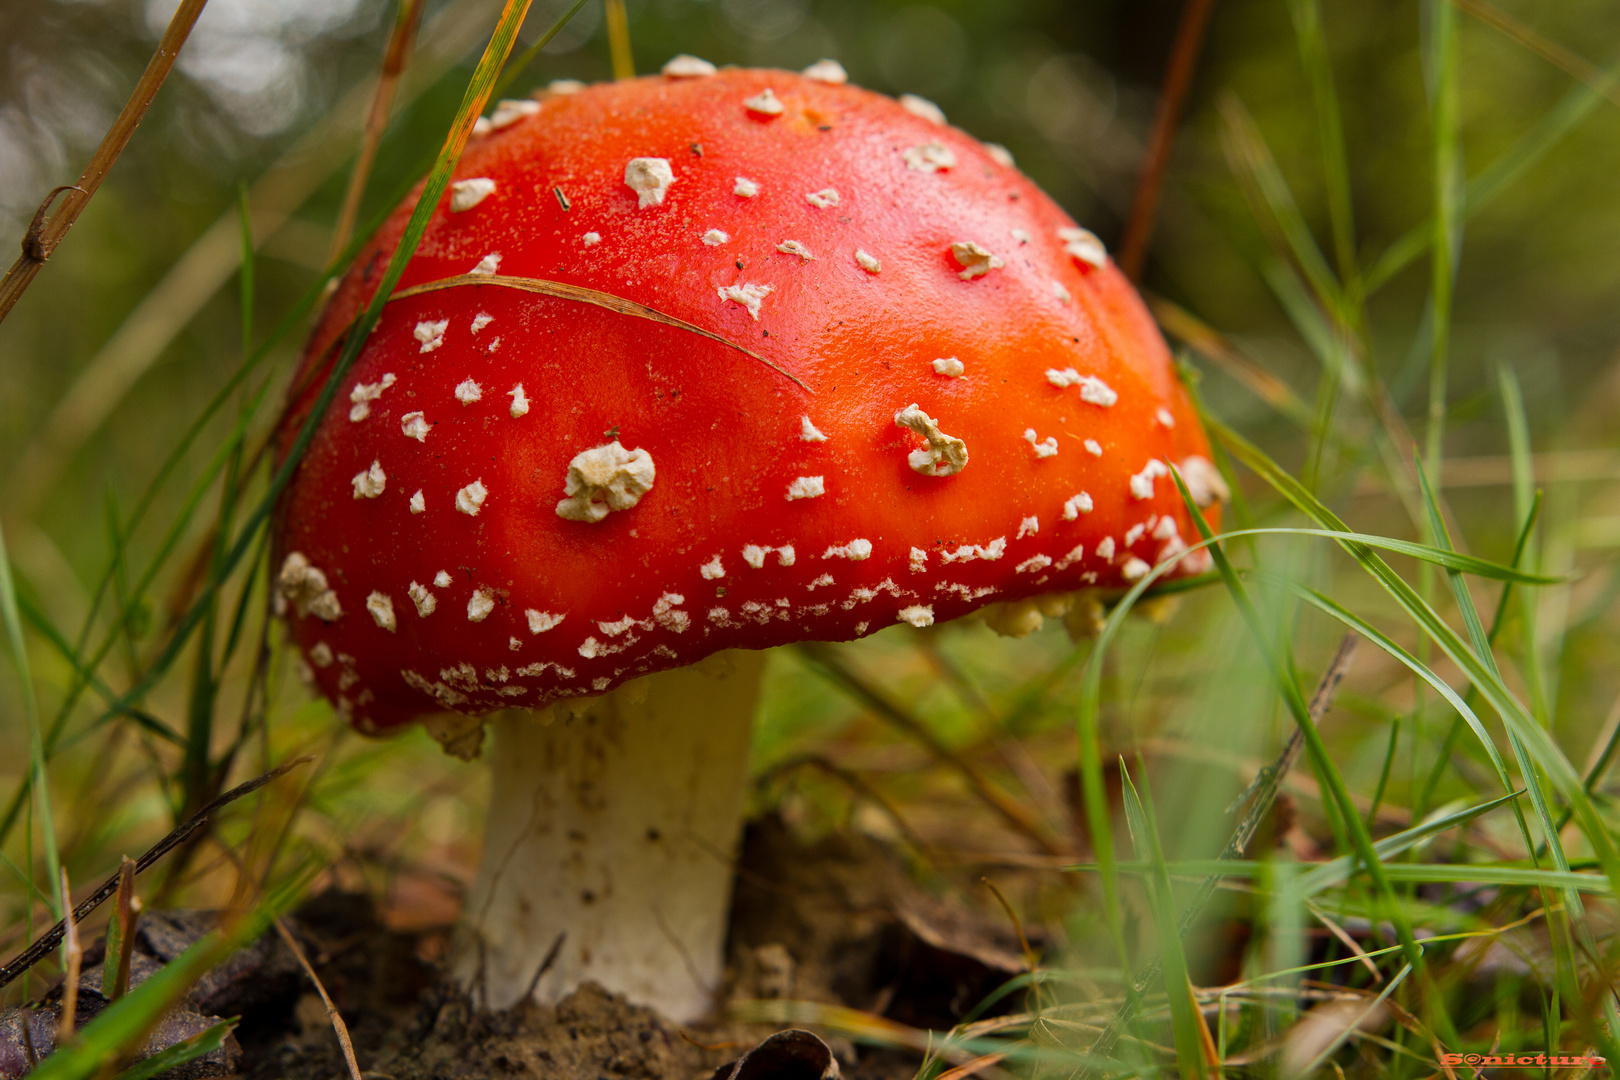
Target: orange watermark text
[{"x": 1523, "y": 1061}]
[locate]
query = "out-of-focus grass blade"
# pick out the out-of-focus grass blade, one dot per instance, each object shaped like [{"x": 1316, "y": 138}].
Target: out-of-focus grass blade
[
  {"x": 1576, "y": 104},
  {"x": 518, "y": 66},
  {"x": 1482, "y": 649},
  {"x": 1313, "y": 54},
  {"x": 199, "y": 1045},
  {"x": 1543, "y": 750},
  {"x": 1325, "y": 875},
  {"x": 1336, "y": 871},
  {"x": 53, "y": 637},
  {"x": 1178, "y": 322},
  {"x": 36, "y": 742},
  {"x": 1525, "y": 497},
  {"x": 1443, "y": 760},
  {"x": 1273, "y": 202},
  {"x": 1333, "y": 874},
  {"x": 1449, "y": 192},
  {"x": 1161, "y": 898}
]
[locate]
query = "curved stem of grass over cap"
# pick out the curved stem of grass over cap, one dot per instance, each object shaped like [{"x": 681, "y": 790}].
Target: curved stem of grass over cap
[
  {"x": 38, "y": 246},
  {"x": 564, "y": 291},
  {"x": 618, "y": 28},
  {"x": 1172, "y": 98},
  {"x": 388, "y": 79}
]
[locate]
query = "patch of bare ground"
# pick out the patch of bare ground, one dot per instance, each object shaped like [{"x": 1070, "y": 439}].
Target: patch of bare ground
[{"x": 835, "y": 920}]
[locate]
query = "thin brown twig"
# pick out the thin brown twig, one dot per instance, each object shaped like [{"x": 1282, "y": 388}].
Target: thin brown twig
[
  {"x": 332, "y": 1013},
  {"x": 43, "y": 238},
  {"x": 382, "y": 103},
  {"x": 1031, "y": 961},
  {"x": 564, "y": 291},
  {"x": 53, "y": 937},
  {"x": 1172, "y": 99},
  {"x": 128, "y": 910}
]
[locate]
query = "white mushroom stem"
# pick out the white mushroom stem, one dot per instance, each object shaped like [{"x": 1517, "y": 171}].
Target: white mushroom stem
[{"x": 614, "y": 830}]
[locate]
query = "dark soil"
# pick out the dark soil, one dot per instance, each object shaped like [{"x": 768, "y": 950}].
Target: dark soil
[{"x": 836, "y": 921}]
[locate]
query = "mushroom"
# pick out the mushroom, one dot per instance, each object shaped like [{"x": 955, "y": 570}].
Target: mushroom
[{"x": 578, "y": 511}]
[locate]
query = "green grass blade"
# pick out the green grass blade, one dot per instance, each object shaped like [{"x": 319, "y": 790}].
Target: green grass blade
[
  {"x": 36, "y": 742},
  {"x": 1313, "y": 54},
  {"x": 1465, "y": 712},
  {"x": 1333, "y": 874},
  {"x": 202, "y": 1044},
  {"x": 53, "y": 637},
  {"x": 1542, "y": 749},
  {"x": 1273, "y": 202},
  {"x": 1449, "y": 194},
  {"x": 1338, "y": 870},
  {"x": 1426, "y": 794},
  {"x": 1145, "y": 837},
  {"x": 1524, "y": 495}
]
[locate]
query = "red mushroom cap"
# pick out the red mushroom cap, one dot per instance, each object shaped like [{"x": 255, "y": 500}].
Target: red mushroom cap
[{"x": 953, "y": 399}]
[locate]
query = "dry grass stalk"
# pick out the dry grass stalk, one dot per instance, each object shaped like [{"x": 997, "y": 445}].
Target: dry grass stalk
[
  {"x": 332, "y": 1014},
  {"x": 618, "y": 28},
  {"x": 1183, "y": 62},
  {"x": 73, "y": 957},
  {"x": 974, "y": 1067},
  {"x": 43, "y": 236},
  {"x": 121, "y": 934},
  {"x": 388, "y": 79}
]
